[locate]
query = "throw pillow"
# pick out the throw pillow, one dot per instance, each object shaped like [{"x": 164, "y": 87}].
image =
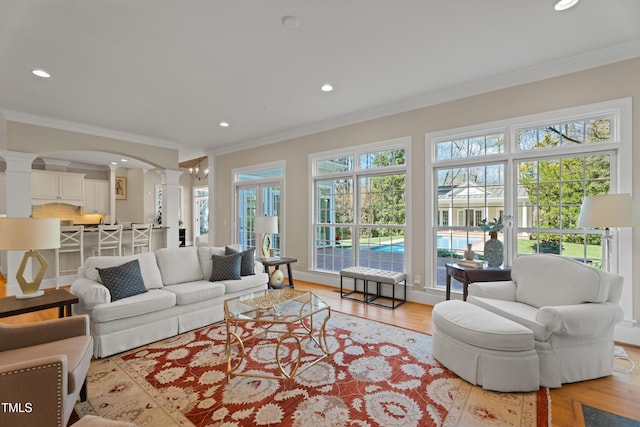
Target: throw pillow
[
  {"x": 225, "y": 267},
  {"x": 123, "y": 280},
  {"x": 248, "y": 266}
]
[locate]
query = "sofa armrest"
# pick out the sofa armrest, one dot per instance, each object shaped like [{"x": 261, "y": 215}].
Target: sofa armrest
[
  {"x": 25, "y": 335},
  {"x": 504, "y": 290},
  {"x": 39, "y": 386},
  {"x": 90, "y": 293},
  {"x": 588, "y": 319}
]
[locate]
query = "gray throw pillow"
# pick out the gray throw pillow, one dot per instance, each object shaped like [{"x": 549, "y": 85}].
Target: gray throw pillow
[
  {"x": 123, "y": 280},
  {"x": 248, "y": 266},
  {"x": 226, "y": 267}
]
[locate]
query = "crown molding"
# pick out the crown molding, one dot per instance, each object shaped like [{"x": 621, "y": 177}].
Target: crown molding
[
  {"x": 37, "y": 120},
  {"x": 609, "y": 55}
]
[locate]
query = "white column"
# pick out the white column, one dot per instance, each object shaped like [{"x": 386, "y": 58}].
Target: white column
[
  {"x": 170, "y": 180},
  {"x": 211, "y": 180},
  {"x": 18, "y": 205},
  {"x": 112, "y": 195}
]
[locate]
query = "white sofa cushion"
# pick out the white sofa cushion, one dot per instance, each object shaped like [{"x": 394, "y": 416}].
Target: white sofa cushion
[
  {"x": 192, "y": 292},
  {"x": 481, "y": 328},
  {"x": 154, "y": 300},
  {"x": 247, "y": 282},
  {"x": 179, "y": 265},
  {"x": 148, "y": 267},
  {"x": 555, "y": 280},
  {"x": 518, "y": 312}
]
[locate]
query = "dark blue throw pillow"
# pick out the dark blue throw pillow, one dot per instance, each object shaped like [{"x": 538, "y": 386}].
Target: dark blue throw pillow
[
  {"x": 123, "y": 280},
  {"x": 247, "y": 266}
]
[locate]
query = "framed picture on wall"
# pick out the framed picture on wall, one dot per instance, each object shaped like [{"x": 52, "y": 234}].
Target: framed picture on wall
[{"x": 121, "y": 188}]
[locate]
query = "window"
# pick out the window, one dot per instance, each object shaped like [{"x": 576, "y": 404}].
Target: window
[
  {"x": 360, "y": 208},
  {"x": 537, "y": 170},
  {"x": 259, "y": 192}
]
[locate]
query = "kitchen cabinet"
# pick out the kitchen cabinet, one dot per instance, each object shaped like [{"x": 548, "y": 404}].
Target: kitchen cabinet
[
  {"x": 96, "y": 196},
  {"x": 57, "y": 187}
]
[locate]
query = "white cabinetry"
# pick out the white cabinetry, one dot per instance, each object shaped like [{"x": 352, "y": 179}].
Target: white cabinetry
[
  {"x": 60, "y": 187},
  {"x": 96, "y": 196}
]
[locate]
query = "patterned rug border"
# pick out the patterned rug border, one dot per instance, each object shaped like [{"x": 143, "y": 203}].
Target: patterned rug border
[{"x": 543, "y": 397}]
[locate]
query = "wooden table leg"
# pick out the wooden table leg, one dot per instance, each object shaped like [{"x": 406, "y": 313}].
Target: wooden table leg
[
  {"x": 448, "y": 281},
  {"x": 290, "y": 274}
]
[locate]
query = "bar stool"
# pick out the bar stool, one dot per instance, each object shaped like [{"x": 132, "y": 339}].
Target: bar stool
[
  {"x": 109, "y": 238},
  {"x": 71, "y": 240},
  {"x": 140, "y": 238}
]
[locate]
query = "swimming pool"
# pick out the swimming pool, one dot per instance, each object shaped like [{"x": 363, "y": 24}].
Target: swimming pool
[{"x": 444, "y": 242}]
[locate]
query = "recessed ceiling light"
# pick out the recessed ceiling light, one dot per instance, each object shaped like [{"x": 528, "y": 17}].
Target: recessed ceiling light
[
  {"x": 224, "y": 124},
  {"x": 326, "y": 87},
  {"x": 40, "y": 73},
  {"x": 124, "y": 160},
  {"x": 565, "y": 4},
  {"x": 290, "y": 22},
  {"x": 114, "y": 163}
]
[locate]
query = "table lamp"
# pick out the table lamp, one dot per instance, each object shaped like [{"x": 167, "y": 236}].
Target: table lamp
[
  {"x": 608, "y": 211},
  {"x": 266, "y": 225},
  {"x": 30, "y": 234}
]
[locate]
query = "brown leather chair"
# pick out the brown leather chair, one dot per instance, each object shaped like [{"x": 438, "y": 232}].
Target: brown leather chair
[{"x": 43, "y": 370}]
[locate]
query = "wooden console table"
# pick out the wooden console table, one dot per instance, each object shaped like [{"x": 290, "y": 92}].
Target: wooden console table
[
  {"x": 466, "y": 275},
  {"x": 61, "y": 298}
]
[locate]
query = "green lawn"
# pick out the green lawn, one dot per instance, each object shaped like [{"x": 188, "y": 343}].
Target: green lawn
[{"x": 571, "y": 250}]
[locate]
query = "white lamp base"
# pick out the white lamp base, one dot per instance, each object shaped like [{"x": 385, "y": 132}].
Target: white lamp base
[{"x": 32, "y": 295}]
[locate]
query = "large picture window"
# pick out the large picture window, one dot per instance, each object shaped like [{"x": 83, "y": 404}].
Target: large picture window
[
  {"x": 534, "y": 176},
  {"x": 360, "y": 208}
]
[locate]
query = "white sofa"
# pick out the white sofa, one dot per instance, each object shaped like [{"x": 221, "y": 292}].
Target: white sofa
[
  {"x": 570, "y": 307},
  {"x": 179, "y": 297}
]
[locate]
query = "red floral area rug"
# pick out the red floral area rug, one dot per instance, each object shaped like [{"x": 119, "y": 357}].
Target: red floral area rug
[{"x": 375, "y": 375}]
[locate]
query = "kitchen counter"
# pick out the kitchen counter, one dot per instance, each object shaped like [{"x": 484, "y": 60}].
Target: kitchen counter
[{"x": 70, "y": 262}]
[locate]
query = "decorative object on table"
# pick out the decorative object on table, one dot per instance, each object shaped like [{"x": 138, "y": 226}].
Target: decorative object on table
[
  {"x": 121, "y": 188},
  {"x": 493, "y": 248},
  {"x": 470, "y": 263},
  {"x": 276, "y": 278},
  {"x": 469, "y": 254},
  {"x": 30, "y": 234},
  {"x": 266, "y": 225},
  {"x": 608, "y": 211}
]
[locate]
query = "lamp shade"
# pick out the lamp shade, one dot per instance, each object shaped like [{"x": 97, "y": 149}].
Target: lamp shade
[
  {"x": 265, "y": 224},
  {"x": 608, "y": 211},
  {"x": 29, "y": 233}
]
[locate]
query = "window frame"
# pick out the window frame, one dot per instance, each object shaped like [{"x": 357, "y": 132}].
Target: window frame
[
  {"x": 238, "y": 184},
  {"x": 620, "y": 181},
  {"x": 355, "y": 174}
]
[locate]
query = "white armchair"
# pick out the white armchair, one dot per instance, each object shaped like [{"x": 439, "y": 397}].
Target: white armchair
[{"x": 571, "y": 308}]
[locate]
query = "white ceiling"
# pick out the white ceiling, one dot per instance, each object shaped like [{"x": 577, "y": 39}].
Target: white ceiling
[{"x": 169, "y": 71}]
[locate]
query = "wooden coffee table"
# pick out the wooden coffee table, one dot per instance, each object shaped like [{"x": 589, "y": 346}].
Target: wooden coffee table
[{"x": 61, "y": 298}]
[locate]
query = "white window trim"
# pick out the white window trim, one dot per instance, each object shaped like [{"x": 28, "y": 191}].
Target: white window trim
[
  {"x": 623, "y": 182},
  {"x": 235, "y": 184},
  {"x": 357, "y": 150}
]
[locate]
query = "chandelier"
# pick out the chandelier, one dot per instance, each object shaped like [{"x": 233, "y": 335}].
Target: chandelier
[{"x": 197, "y": 173}]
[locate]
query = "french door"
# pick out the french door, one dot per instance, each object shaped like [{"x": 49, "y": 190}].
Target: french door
[
  {"x": 254, "y": 200},
  {"x": 200, "y": 211}
]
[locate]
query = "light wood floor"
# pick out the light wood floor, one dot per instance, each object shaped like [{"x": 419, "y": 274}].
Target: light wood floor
[{"x": 618, "y": 393}]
